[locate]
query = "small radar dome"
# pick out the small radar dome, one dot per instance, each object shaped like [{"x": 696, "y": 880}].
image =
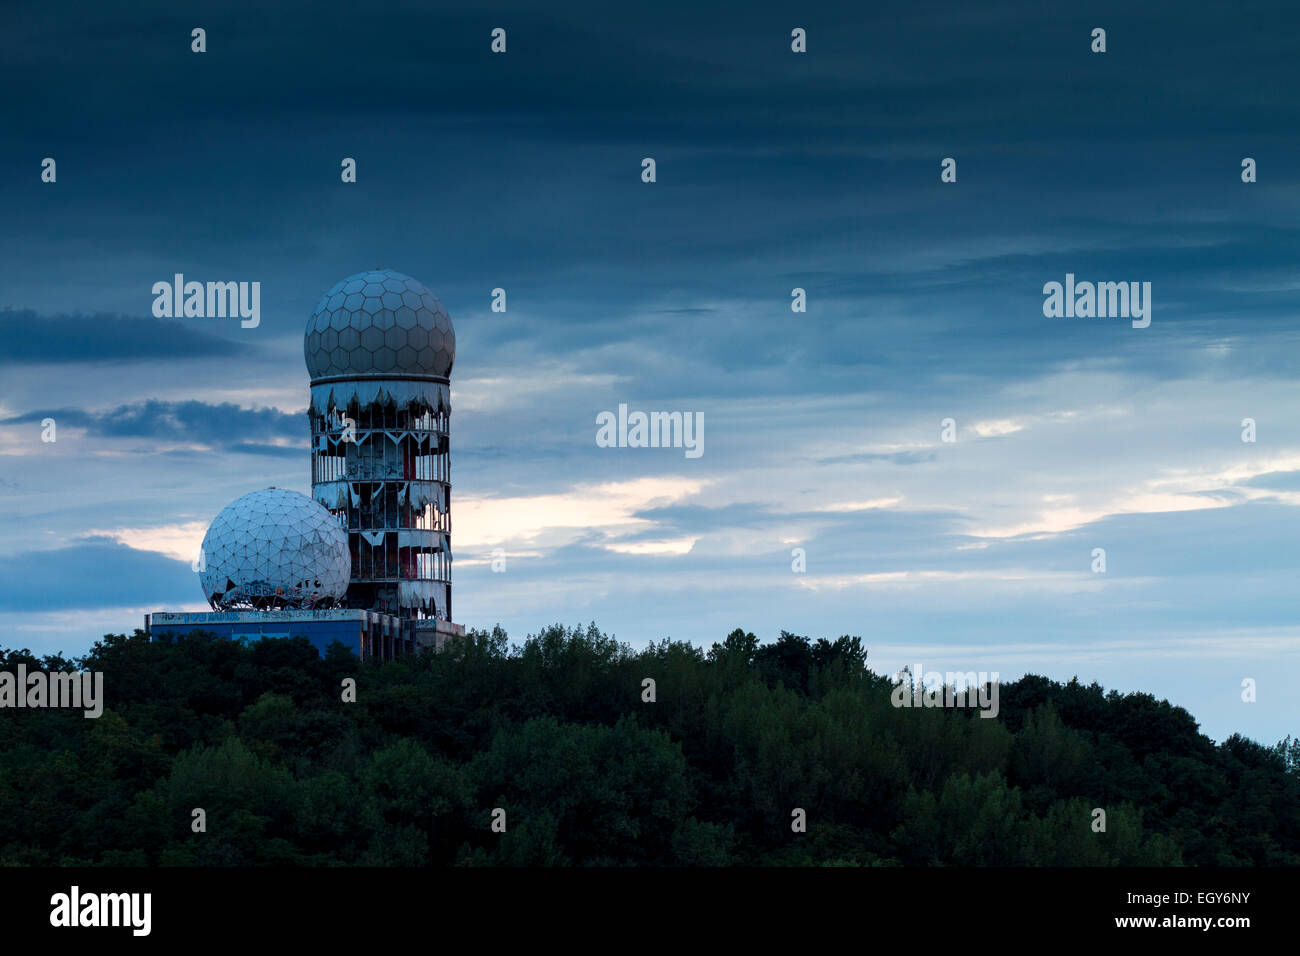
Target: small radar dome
[{"x": 274, "y": 549}]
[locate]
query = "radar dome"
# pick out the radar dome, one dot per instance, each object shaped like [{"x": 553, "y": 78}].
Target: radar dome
[
  {"x": 274, "y": 548},
  {"x": 376, "y": 324}
]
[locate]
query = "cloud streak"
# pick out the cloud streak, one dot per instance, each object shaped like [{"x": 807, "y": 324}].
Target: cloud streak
[{"x": 65, "y": 339}]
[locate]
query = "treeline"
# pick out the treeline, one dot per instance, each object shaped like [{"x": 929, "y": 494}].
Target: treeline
[{"x": 555, "y": 739}]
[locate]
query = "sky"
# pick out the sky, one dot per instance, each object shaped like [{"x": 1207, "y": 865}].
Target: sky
[{"x": 774, "y": 170}]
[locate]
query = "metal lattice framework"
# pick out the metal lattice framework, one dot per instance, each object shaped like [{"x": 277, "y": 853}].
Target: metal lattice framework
[
  {"x": 379, "y": 349},
  {"x": 274, "y": 549}
]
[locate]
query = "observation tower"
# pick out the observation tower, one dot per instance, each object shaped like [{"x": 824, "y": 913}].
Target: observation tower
[{"x": 379, "y": 349}]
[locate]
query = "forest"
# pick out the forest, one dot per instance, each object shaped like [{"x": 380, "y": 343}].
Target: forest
[{"x": 211, "y": 752}]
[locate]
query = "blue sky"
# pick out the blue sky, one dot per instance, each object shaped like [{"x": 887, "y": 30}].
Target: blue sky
[{"x": 774, "y": 171}]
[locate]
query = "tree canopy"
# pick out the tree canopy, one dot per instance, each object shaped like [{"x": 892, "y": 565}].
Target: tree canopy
[{"x": 556, "y": 737}]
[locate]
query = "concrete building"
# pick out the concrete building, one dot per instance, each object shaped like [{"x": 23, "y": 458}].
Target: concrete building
[{"x": 367, "y": 634}]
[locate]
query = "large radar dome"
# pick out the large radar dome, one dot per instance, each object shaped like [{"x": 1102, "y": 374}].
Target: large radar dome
[
  {"x": 273, "y": 549},
  {"x": 376, "y": 324}
]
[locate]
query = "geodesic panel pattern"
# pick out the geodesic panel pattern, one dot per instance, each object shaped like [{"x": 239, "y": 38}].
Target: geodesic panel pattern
[
  {"x": 274, "y": 548},
  {"x": 377, "y": 323}
]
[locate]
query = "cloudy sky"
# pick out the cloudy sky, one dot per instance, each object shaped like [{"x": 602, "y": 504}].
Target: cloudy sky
[{"x": 775, "y": 170}]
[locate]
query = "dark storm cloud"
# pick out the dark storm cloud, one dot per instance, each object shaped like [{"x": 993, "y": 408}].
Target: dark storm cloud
[
  {"x": 96, "y": 572},
  {"x": 26, "y": 337},
  {"x": 775, "y": 171},
  {"x": 200, "y": 422},
  {"x": 871, "y": 70}
]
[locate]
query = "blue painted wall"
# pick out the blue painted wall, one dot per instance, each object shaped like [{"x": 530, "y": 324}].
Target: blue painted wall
[{"x": 320, "y": 633}]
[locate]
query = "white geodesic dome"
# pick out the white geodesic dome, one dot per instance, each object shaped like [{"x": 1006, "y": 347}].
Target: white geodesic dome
[
  {"x": 379, "y": 323},
  {"x": 274, "y": 548}
]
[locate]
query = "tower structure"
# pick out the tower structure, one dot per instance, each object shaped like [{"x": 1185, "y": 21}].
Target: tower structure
[{"x": 379, "y": 349}]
